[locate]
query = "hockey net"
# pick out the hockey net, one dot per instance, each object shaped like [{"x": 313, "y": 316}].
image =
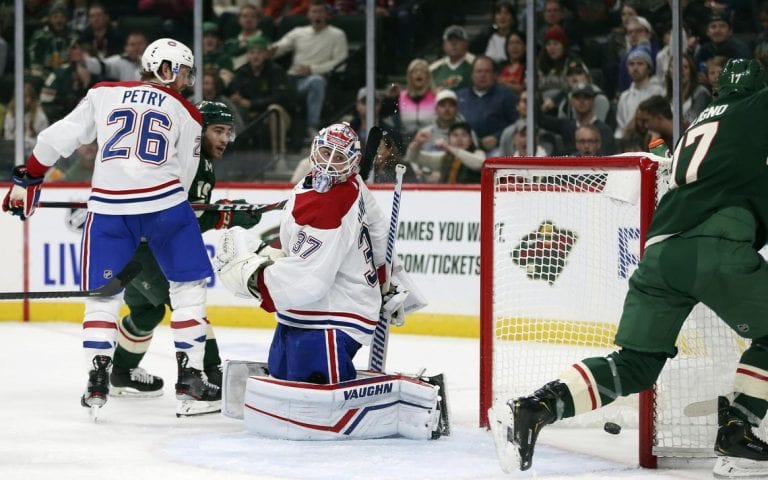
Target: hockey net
[{"x": 560, "y": 238}]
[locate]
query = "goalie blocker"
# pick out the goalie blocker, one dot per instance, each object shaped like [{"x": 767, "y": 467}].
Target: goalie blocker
[{"x": 375, "y": 405}]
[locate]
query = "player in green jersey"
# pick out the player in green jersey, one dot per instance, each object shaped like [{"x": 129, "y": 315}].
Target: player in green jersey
[
  {"x": 702, "y": 246},
  {"x": 147, "y": 295}
]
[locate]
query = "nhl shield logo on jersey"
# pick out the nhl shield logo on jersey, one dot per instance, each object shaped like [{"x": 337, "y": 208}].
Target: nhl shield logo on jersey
[{"x": 544, "y": 252}]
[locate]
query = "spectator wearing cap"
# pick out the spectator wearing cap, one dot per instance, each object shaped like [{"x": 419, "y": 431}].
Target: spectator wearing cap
[
  {"x": 487, "y": 106},
  {"x": 639, "y": 34},
  {"x": 720, "y": 40},
  {"x": 49, "y": 46},
  {"x": 640, "y": 68},
  {"x": 512, "y": 73},
  {"x": 262, "y": 86},
  {"x": 214, "y": 56},
  {"x": 493, "y": 41},
  {"x": 127, "y": 67},
  {"x": 552, "y": 60},
  {"x": 67, "y": 85},
  {"x": 583, "y": 107},
  {"x": 455, "y": 68},
  {"x": 236, "y": 48},
  {"x": 458, "y": 159},
  {"x": 317, "y": 48},
  {"x": 99, "y": 37},
  {"x": 446, "y": 114},
  {"x": 577, "y": 73}
]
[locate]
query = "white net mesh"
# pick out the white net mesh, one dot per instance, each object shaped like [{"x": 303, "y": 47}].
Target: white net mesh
[{"x": 565, "y": 241}]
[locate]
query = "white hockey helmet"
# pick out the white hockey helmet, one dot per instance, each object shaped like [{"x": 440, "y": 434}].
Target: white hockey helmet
[
  {"x": 171, "y": 51},
  {"x": 334, "y": 156}
]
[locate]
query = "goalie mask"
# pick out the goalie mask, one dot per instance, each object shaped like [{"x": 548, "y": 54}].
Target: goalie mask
[
  {"x": 334, "y": 156},
  {"x": 171, "y": 51},
  {"x": 741, "y": 76}
]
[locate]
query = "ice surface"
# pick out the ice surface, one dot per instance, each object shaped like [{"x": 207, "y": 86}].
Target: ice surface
[{"x": 46, "y": 435}]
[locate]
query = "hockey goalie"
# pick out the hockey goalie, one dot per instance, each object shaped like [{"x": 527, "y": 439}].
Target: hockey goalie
[{"x": 324, "y": 286}]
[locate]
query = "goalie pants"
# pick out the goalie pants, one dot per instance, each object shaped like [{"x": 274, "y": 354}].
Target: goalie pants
[
  {"x": 312, "y": 355},
  {"x": 714, "y": 263},
  {"x": 146, "y": 297}
]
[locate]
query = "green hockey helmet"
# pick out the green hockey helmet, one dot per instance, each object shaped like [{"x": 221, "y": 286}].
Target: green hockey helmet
[
  {"x": 217, "y": 113},
  {"x": 741, "y": 75}
]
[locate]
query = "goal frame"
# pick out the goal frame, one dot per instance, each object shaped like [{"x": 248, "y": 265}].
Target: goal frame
[{"x": 648, "y": 193}]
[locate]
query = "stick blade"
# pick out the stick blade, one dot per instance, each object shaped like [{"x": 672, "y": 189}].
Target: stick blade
[{"x": 371, "y": 147}]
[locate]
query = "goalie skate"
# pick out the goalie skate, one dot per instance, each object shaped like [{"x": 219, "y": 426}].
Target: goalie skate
[
  {"x": 501, "y": 421},
  {"x": 135, "y": 383}
]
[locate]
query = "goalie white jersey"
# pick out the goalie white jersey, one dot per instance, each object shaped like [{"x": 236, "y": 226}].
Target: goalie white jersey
[
  {"x": 149, "y": 145},
  {"x": 335, "y": 243}
]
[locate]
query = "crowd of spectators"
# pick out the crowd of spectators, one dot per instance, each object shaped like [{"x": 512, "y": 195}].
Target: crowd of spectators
[{"x": 602, "y": 71}]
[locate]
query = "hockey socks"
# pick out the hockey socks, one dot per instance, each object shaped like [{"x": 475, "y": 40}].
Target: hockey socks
[{"x": 133, "y": 343}]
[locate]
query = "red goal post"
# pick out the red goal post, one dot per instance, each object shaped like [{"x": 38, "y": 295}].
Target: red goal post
[{"x": 560, "y": 237}]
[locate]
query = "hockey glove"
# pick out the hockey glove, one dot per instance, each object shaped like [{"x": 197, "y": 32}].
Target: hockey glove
[
  {"x": 245, "y": 219},
  {"x": 24, "y": 194},
  {"x": 393, "y": 304}
]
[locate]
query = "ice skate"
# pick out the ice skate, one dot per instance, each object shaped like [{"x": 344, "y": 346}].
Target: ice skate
[
  {"x": 214, "y": 374},
  {"x": 196, "y": 394},
  {"x": 97, "y": 391},
  {"x": 740, "y": 452},
  {"x": 135, "y": 383},
  {"x": 527, "y": 416}
]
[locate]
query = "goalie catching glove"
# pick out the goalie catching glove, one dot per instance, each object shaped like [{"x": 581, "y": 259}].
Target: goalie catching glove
[
  {"x": 24, "y": 194},
  {"x": 238, "y": 264}
]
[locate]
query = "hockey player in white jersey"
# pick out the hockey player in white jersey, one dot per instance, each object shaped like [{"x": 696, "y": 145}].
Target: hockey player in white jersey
[
  {"x": 324, "y": 285},
  {"x": 148, "y": 139}
]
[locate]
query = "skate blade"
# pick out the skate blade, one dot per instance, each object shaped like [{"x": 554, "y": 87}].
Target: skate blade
[
  {"x": 94, "y": 412},
  {"x": 127, "y": 392},
  {"x": 734, "y": 467},
  {"x": 501, "y": 420},
  {"x": 195, "y": 408}
]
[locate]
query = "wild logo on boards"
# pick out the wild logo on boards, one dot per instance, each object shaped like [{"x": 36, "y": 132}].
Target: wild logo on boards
[{"x": 544, "y": 252}]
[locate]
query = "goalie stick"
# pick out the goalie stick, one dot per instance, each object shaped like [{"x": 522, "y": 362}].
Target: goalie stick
[
  {"x": 112, "y": 287},
  {"x": 372, "y": 142},
  {"x": 378, "y": 354},
  {"x": 253, "y": 208}
]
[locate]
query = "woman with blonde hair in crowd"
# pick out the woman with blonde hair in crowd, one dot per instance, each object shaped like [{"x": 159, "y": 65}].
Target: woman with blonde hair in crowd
[
  {"x": 458, "y": 160},
  {"x": 35, "y": 120},
  {"x": 415, "y": 104}
]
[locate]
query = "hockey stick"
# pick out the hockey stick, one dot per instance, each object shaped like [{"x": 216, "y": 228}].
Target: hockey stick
[
  {"x": 112, "y": 287},
  {"x": 253, "y": 208},
  {"x": 378, "y": 354},
  {"x": 371, "y": 147}
]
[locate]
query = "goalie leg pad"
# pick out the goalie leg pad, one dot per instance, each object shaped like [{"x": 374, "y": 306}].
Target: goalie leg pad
[
  {"x": 378, "y": 406},
  {"x": 234, "y": 377}
]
